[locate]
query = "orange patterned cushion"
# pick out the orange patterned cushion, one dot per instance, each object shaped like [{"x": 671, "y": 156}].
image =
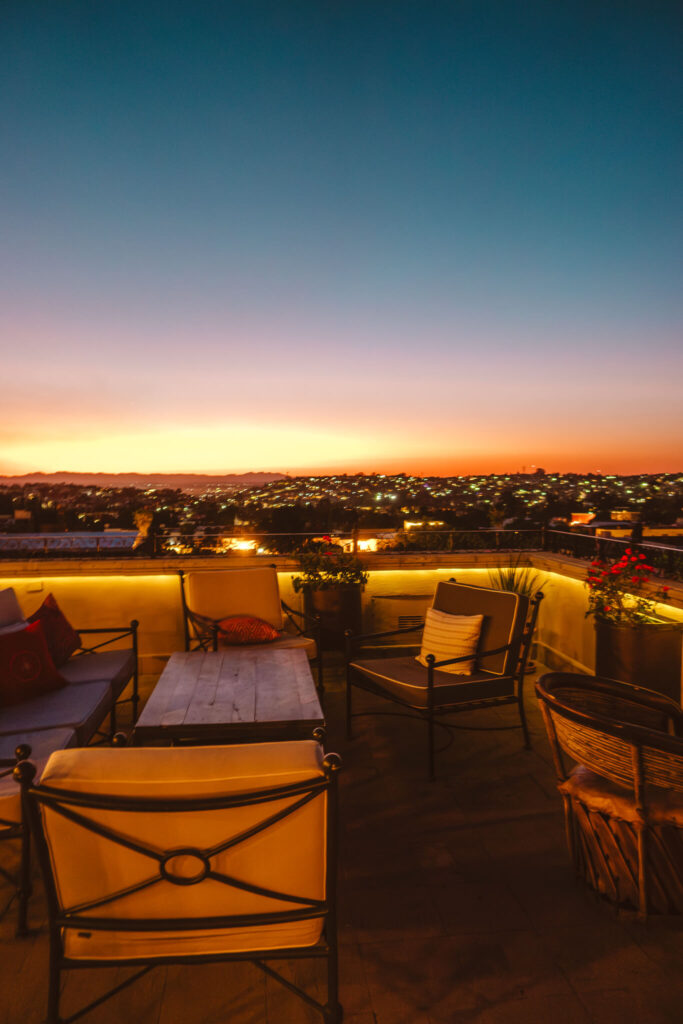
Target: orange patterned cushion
[{"x": 245, "y": 629}]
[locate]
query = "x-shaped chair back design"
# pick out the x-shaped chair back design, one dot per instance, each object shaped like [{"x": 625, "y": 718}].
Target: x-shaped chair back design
[{"x": 153, "y": 856}]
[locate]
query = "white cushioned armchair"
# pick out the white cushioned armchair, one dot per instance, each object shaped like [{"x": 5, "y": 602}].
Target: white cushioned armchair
[
  {"x": 188, "y": 854},
  {"x": 429, "y": 688},
  {"x": 208, "y": 597}
]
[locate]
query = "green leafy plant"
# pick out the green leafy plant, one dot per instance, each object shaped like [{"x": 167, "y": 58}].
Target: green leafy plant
[
  {"x": 517, "y": 578},
  {"x": 327, "y": 565},
  {"x": 615, "y": 590}
]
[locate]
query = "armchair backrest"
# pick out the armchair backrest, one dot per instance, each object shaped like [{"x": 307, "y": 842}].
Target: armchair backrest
[
  {"x": 504, "y": 619},
  {"x": 617, "y": 730},
  {"x": 218, "y": 594},
  {"x": 201, "y": 845}
]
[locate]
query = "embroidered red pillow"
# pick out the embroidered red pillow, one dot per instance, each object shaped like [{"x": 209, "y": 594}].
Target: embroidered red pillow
[
  {"x": 26, "y": 668},
  {"x": 245, "y": 629},
  {"x": 62, "y": 639}
]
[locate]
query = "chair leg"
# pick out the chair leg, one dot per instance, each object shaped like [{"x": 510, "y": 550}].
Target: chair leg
[
  {"x": 321, "y": 674},
  {"x": 642, "y": 872},
  {"x": 349, "y": 687},
  {"x": 53, "y": 984},
  {"x": 333, "y": 1011},
  {"x": 430, "y": 733},
  {"x": 24, "y": 893},
  {"x": 525, "y": 727}
]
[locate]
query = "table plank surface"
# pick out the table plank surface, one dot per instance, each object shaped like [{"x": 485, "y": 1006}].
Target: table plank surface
[{"x": 231, "y": 696}]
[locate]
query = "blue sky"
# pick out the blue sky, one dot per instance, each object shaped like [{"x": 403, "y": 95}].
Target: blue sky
[{"x": 317, "y": 235}]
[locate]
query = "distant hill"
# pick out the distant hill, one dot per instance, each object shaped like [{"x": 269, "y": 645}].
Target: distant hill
[{"x": 184, "y": 481}]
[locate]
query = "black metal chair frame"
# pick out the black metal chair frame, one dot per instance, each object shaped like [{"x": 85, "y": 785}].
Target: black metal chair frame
[
  {"x": 16, "y": 830},
  {"x": 68, "y": 803},
  {"x": 207, "y": 631},
  {"x": 118, "y": 633},
  {"x": 435, "y": 712}
]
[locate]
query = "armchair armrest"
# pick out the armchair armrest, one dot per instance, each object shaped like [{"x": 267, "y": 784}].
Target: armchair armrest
[
  {"x": 468, "y": 657},
  {"x": 310, "y": 621},
  {"x": 358, "y": 639},
  {"x": 118, "y": 633}
]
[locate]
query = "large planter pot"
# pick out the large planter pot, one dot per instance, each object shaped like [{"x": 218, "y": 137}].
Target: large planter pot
[
  {"x": 648, "y": 654},
  {"x": 339, "y": 609}
]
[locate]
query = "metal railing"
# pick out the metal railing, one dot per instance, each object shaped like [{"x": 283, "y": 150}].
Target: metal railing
[{"x": 210, "y": 542}]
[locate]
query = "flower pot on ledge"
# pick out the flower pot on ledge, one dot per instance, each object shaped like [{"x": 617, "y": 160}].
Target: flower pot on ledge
[
  {"x": 339, "y": 608},
  {"x": 647, "y": 654}
]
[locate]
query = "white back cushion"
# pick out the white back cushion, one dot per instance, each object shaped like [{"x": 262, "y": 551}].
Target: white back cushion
[
  {"x": 451, "y": 636},
  {"x": 289, "y": 857},
  {"x": 219, "y": 594}
]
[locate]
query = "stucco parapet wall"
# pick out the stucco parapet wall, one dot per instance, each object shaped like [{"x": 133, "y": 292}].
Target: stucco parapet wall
[
  {"x": 162, "y": 566},
  {"x": 564, "y": 565}
]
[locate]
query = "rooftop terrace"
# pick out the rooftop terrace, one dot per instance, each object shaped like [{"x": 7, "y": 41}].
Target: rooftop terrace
[
  {"x": 457, "y": 904},
  {"x": 457, "y": 898}
]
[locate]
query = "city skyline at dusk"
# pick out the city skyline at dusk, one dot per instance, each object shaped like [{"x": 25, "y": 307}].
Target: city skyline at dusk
[{"x": 434, "y": 238}]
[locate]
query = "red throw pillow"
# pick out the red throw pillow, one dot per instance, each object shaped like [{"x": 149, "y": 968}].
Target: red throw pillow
[
  {"x": 26, "y": 668},
  {"x": 245, "y": 629},
  {"x": 62, "y": 639}
]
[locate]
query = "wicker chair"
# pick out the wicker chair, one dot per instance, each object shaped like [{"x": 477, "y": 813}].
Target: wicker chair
[
  {"x": 432, "y": 694},
  {"x": 623, "y": 798}
]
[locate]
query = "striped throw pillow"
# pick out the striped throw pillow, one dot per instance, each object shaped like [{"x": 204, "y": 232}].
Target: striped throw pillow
[{"x": 451, "y": 636}]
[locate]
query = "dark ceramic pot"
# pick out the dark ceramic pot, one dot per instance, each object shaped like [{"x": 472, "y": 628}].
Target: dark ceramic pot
[
  {"x": 648, "y": 654},
  {"x": 339, "y": 609}
]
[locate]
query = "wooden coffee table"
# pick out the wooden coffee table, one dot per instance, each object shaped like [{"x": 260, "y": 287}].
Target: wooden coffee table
[{"x": 231, "y": 696}]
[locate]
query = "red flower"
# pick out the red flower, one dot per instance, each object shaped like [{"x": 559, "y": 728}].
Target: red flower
[
  {"x": 327, "y": 539},
  {"x": 665, "y": 589},
  {"x": 635, "y": 579},
  {"x": 634, "y": 559},
  {"x": 598, "y": 563},
  {"x": 628, "y": 551},
  {"x": 641, "y": 556},
  {"x": 608, "y": 607}
]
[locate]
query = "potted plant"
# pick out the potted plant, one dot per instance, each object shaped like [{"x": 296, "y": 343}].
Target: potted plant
[
  {"x": 332, "y": 581},
  {"x": 632, "y": 643},
  {"x": 519, "y": 579}
]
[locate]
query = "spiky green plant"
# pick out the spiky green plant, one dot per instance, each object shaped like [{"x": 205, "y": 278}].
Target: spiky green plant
[{"x": 517, "y": 578}]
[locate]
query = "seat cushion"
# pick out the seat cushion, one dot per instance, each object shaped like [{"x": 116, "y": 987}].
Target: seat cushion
[
  {"x": 599, "y": 794},
  {"x": 450, "y": 636},
  {"x": 294, "y": 642},
  {"x": 113, "y": 667},
  {"x": 42, "y": 744},
  {"x": 82, "y": 708},
  {"x": 286, "y": 857},
  {"x": 404, "y": 678},
  {"x": 127, "y": 945}
]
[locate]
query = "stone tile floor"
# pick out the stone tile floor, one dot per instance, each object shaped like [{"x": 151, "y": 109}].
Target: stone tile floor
[{"x": 457, "y": 904}]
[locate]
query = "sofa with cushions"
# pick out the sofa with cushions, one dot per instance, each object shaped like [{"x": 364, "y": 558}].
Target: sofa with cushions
[
  {"x": 56, "y": 691},
  {"x": 52, "y": 678}
]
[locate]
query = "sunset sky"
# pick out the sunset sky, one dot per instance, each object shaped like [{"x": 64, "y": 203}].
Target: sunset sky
[{"x": 309, "y": 235}]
